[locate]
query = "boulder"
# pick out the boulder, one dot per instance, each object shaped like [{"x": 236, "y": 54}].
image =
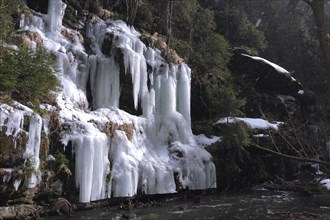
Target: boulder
[
  {"x": 269, "y": 89},
  {"x": 267, "y": 77}
]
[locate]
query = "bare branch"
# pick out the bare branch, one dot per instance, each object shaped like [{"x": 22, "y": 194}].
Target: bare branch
[{"x": 326, "y": 163}]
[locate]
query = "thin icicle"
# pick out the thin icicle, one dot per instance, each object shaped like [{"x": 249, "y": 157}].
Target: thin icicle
[{"x": 117, "y": 153}]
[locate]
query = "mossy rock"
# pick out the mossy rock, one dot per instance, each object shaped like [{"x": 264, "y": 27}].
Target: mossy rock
[{"x": 12, "y": 148}]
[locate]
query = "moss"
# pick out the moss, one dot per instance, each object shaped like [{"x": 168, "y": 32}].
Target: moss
[
  {"x": 61, "y": 164},
  {"x": 44, "y": 146},
  {"x": 5, "y": 98},
  {"x": 28, "y": 169},
  {"x": 6, "y": 142}
]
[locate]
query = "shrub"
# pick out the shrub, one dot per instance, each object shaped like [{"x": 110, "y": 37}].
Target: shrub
[
  {"x": 27, "y": 75},
  {"x": 9, "y": 16}
]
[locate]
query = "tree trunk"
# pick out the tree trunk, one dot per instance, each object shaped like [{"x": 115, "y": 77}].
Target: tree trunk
[
  {"x": 318, "y": 7},
  {"x": 131, "y": 7},
  {"x": 169, "y": 13}
]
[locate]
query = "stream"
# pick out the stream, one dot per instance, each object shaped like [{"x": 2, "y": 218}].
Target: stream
[{"x": 250, "y": 204}]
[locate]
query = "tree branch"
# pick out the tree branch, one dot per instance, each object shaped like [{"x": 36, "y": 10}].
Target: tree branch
[{"x": 326, "y": 163}]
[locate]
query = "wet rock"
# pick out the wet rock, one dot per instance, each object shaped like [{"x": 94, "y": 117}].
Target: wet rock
[
  {"x": 38, "y": 5},
  {"x": 12, "y": 148},
  {"x": 269, "y": 89},
  {"x": 266, "y": 76}
]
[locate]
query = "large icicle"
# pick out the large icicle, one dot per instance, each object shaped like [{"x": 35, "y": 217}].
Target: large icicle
[
  {"x": 118, "y": 154},
  {"x": 92, "y": 164},
  {"x": 33, "y": 147},
  {"x": 55, "y": 15},
  {"x": 183, "y": 91},
  {"x": 104, "y": 82}
]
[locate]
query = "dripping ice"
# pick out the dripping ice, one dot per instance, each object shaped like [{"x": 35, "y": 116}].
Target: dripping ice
[
  {"x": 12, "y": 119},
  {"x": 146, "y": 154}
]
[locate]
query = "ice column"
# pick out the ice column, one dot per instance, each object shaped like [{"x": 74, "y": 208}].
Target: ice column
[
  {"x": 105, "y": 82},
  {"x": 33, "y": 147},
  {"x": 92, "y": 165},
  {"x": 183, "y": 91},
  {"x": 56, "y": 9}
]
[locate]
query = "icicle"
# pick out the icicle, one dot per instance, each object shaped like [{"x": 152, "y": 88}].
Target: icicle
[
  {"x": 183, "y": 91},
  {"x": 56, "y": 10},
  {"x": 167, "y": 92},
  {"x": 105, "y": 82},
  {"x": 33, "y": 147},
  {"x": 124, "y": 167},
  {"x": 92, "y": 164},
  {"x": 142, "y": 150}
]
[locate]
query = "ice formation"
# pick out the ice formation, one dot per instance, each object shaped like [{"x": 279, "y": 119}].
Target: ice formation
[
  {"x": 118, "y": 154},
  {"x": 12, "y": 120}
]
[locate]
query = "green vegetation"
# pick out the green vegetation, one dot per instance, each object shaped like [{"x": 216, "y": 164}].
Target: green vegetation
[
  {"x": 9, "y": 16},
  {"x": 190, "y": 29},
  {"x": 240, "y": 31},
  {"x": 25, "y": 75},
  {"x": 202, "y": 31},
  {"x": 236, "y": 135},
  {"x": 61, "y": 164}
]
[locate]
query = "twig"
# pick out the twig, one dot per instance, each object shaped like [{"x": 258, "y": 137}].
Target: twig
[{"x": 326, "y": 163}]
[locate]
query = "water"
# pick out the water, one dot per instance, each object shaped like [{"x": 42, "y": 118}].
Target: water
[{"x": 254, "y": 204}]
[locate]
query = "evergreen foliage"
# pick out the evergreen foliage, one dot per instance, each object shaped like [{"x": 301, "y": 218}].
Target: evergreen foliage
[
  {"x": 27, "y": 76},
  {"x": 9, "y": 10},
  {"x": 240, "y": 31},
  {"x": 236, "y": 135},
  {"x": 195, "y": 38}
]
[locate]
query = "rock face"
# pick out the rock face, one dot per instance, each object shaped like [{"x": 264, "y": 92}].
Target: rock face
[
  {"x": 268, "y": 87},
  {"x": 245, "y": 156},
  {"x": 101, "y": 151},
  {"x": 267, "y": 76},
  {"x": 38, "y": 5}
]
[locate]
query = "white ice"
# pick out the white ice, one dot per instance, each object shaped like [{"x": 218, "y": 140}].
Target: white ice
[
  {"x": 203, "y": 140},
  {"x": 12, "y": 119},
  {"x": 118, "y": 154}
]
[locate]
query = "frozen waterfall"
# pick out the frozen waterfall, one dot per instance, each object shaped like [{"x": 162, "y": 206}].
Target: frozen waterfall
[{"x": 118, "y": 154}]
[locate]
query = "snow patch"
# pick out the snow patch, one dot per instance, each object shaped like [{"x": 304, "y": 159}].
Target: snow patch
[
  {"x": 204, "y": 141},
  {"x": 254, "y": 123},
  {"x": 326, "y": 183},
  {"x": 275, "y": 66}
]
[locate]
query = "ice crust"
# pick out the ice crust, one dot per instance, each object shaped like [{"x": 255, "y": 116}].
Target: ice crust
[{"x": 118, "y": 154}]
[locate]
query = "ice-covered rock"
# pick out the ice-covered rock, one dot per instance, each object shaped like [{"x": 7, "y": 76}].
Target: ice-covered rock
[
  {"x": 118, "y": 154},
  {"x": 12, "y": 121}
]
